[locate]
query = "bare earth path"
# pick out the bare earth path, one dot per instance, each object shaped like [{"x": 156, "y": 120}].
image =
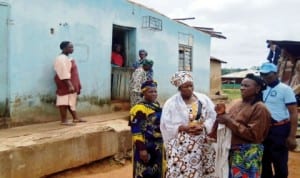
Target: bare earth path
[{"x": 110, "y": 169}]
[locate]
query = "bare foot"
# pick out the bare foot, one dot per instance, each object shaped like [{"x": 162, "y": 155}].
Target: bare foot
[{"x": 78, "y": 120}]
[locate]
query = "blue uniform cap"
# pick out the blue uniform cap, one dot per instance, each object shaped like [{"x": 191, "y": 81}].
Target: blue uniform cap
[{"x": 267, "y": 68}]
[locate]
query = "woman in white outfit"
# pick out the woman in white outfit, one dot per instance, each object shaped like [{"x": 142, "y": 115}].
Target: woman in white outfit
[{"x": 186, "y": 119}]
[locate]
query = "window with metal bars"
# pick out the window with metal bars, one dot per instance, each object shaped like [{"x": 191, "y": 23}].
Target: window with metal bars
[{"x": 185, "y": 58}]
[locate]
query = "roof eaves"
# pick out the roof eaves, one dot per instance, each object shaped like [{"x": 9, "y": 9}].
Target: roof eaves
[{"x": 218, "y": 60}]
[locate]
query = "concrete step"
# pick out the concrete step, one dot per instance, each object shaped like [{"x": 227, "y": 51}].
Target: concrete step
[{"x": 38, "y": 150}]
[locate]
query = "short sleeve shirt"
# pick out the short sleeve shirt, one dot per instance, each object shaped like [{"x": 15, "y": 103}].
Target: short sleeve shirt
[
  {"x": 277, "y": 99},
  {"x": 62, "y": 67}
]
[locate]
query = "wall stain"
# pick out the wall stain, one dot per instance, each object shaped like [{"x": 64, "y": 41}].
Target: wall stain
[
  {"x": 42, "y": 108},
  {"x": 49, "y": 99},
  {"x": 95, "y": 100}
]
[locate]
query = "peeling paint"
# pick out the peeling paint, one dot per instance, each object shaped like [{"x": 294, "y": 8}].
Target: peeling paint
[
  {"x": 49, "y": 99},
  {"x": 4, "y": 109},
  {"x": 38, "y": 109},
  {"x": 95, "y": 100}
]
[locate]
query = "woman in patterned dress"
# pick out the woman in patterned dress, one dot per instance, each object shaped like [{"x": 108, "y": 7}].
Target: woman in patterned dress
[
  {"x": 139, "y": 76},
  {"x": 186, "y": 119},
  {"x": 146, "y": 135}
]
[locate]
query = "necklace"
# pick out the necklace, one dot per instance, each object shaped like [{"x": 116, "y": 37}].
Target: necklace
[{"x": 192, "y": 110}]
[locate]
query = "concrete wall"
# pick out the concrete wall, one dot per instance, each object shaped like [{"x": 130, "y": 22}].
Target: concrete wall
[{"x": 88, "y": 24}]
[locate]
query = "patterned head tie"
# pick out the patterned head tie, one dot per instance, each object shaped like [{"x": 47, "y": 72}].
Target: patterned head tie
[
  {"x": 180, "y": 78},
  {"x": 148, "y": 84}
]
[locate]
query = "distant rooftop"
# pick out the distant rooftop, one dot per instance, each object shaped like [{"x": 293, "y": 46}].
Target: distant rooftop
[
  {"x": 240, "y": 74},
  {"x": 218, "y": 60}
]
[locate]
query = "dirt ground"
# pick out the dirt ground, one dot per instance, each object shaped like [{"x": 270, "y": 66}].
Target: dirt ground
[{"x": 110, "y": 169}]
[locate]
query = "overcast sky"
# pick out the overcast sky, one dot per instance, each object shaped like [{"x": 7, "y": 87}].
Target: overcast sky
[{"x": 247, "y": 24}]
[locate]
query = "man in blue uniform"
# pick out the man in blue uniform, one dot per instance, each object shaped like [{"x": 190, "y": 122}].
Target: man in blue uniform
[{"x": 281, "y": 102}]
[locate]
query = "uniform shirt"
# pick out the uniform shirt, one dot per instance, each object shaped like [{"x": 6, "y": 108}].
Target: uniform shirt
[{"x": 277, "y": 98}]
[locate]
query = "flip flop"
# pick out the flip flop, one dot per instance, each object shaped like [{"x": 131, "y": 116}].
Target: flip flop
[
  {"x": 67, "y": 123},
  {"x": 78, "y": 120}
]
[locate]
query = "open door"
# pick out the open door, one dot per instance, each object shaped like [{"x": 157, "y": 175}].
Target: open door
[
  {"x": 126, "y": 37},
  {"x": 4, "y": 104}
]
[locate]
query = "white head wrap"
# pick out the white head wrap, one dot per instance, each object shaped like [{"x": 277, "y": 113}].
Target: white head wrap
[{"x": 180, "y": 78}]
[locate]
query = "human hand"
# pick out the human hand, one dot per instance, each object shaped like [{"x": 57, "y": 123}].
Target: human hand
[
  {"x": 291, "y": 143},
  {"x": 144, "y": 156},
  {"x": 220, "y": 108},
  {"x": 223, "y": 119},
  {"x": 196, "y": 129},
  {"x": 183, "y": 128},
  {"x": 71, "y": 89}
]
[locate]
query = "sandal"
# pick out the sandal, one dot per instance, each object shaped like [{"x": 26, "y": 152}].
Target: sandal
[
  {"x": 78, "y": 120},
  {"x": 67, "y": 123}
]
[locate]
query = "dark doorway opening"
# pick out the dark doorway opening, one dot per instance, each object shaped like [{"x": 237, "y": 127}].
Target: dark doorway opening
[{"x": 126, "y": 37}]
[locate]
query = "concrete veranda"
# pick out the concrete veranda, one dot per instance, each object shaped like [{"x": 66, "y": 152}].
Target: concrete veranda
[{"x": 37, "y": 150}]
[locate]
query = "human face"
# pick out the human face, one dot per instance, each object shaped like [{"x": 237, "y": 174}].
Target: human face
[
  {"x": 273, "y": 47},
  {"x": 142, "y": 55},
  {"x": 69, "y": 49},
  {"x": 118, "y": 48},
  {"x": 268, "y": 77},
  {"x": 147, "y": 67},
  {"x": 186, "y": 89},
  {"x": 150, "y": 94},
  {"x": 249, "y": 88}
]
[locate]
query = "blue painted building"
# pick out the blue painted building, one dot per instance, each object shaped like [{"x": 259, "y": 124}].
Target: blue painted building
[{"x": 30, "y": 34}]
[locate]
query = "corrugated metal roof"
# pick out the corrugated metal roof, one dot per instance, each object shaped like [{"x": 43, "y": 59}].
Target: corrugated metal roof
[
  {"x": 240, "y": 74},
  {"x": 293, "y": 47},
  {"x": 211, "y": 32}
]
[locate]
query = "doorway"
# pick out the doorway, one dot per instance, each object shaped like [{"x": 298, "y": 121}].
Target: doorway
[
  {"x": 126, "y": 37},
  {"x": 4, "y": 107}
]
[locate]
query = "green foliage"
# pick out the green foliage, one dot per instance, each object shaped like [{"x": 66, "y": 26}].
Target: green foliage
[
  {"x": 230, "y": 70},
  {"x": 232, "y": 93},
  {"x": 231, "y": 86}
]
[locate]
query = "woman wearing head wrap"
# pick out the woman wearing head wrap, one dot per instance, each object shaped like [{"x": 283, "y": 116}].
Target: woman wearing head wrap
[
  {"x": 143, "y": 55},
  {"x": 186, "y": 118},
  {"x": 138, "y": 63},
  {"x": 146, "y": 135},
  {"x": 249, "y": 121},
  {"x": 138, "y": 77},
  {"x": 67, "y": 83}
]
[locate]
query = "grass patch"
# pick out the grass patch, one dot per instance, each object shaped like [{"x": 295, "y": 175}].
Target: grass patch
[{"x": 232, "y": 93}]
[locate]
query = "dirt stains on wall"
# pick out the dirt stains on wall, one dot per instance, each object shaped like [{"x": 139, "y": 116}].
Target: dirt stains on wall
[{"x": 41, "y": 108}]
